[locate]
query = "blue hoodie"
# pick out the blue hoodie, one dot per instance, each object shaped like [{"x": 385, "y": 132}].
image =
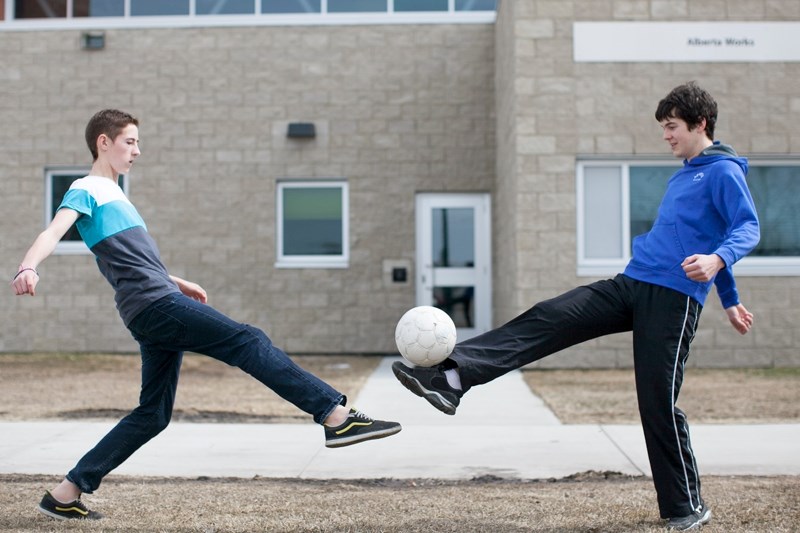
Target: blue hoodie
[{"x": 707, "y": 209}]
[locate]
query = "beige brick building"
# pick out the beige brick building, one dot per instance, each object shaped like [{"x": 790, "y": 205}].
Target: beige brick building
[{"x": 467, "y": 109}]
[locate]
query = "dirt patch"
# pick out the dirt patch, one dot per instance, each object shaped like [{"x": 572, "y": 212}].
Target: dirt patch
[{"x": 708, "y": 396}]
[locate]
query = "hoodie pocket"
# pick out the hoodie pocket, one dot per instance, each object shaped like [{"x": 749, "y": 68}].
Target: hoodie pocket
[{"x": 661, "y": 248}]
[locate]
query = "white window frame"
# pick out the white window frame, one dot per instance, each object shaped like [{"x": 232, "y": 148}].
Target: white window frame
[
  {"x": 312, "y": 261},
  {"x": 68, "y": 247},
  {"x": 748, "y": 266},
  {"x": 390, "y": 16}
]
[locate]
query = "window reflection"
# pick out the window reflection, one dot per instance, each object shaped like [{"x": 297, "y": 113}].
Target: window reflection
[
  {"x": 40, "y": 9},
  {"x": 475, "y": 5},
  {"x": 146, "y": 8},
  {"x": 98, "y": 8},
  {"x": 290, "y": 6},
  {"x": 225, "y": 7},
  {"x": 453, "y": 237},
  {"x": 43, "y": 9},
  {"x": 456, "y": 302},
  {"x": 420, "y": 5},
  {"x": 356, "y": 6},
  {"x": 312, "y": 221},
  {"x": 775, "y": 190}
]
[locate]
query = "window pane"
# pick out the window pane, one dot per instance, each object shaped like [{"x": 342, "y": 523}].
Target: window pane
[
  {"x": 225, "y": 7},
  {"x": 60, "y": 186},
  {"x": 40, "y": 9},
  {"x": 312, "y": 221},
  {"x": 361, "y": 6},
  {"x": 98, "y": 8},
  {"x": 420, "y": 5},
  {"x": 775, "y": 191},
  {"x": 159, "y": 7},
  {"x": 290, "y": 6},
  {"x": 456, "y": 302},
  {"x": 602, "y": 223},
  {"x": 647, "y": 187},
  {"x": 453, "y": 237},
  {"x": 475, "y": 5}
]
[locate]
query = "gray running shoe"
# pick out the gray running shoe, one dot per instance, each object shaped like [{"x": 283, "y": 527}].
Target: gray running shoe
[
  {"x": 692, "y": 521},
  {"x": 429, "y": 383}
]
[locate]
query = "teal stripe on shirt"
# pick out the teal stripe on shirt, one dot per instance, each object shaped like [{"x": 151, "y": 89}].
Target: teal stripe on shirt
[{"x": 100, "y": 222}]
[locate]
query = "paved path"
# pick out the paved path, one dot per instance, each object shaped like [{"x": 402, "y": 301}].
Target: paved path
[{"x": 501, "y": 429}]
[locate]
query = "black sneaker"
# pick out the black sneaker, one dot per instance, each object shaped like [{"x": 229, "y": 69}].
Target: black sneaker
[
  {"x": 357, "y": 428},
  {"x": 693, "y": 521},
  {"x": 431, "y": 384},
  {"x": 65, "y": 511}
]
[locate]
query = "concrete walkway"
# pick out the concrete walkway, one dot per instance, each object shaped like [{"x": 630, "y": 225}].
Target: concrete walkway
[{"x": 501, "y": 429}]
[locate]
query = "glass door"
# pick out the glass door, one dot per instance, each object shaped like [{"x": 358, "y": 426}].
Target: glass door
[{"x": 453, "y": 258}]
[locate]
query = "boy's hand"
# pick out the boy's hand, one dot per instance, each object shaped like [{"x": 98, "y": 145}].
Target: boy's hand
[
  {"x": 194, "y": 291},
  {"x": 741, "y": 319},
  {"x": 25, "y": 282},
  {"x": 701, "y": 267}
]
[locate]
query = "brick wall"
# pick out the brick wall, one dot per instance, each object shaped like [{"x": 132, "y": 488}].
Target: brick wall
[{"x": 398, "y": 109}]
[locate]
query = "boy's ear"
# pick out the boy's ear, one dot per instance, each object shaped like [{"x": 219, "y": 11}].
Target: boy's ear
[{"x": 102, "y": 142}]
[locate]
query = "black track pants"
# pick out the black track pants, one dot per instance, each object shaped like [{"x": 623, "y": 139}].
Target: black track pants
[{"x": 663, "y": 322}]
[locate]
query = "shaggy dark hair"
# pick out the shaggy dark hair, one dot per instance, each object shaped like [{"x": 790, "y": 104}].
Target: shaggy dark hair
[
  {"x": 690, "y": 103},
  {"x": 109, "y": 122}
]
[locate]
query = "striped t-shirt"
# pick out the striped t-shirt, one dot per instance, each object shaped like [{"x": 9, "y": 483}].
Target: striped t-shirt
[{"x": 126, "y": 254}]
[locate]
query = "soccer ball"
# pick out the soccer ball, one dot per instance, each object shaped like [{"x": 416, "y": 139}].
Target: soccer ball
[{"x": 425, "y": 335}]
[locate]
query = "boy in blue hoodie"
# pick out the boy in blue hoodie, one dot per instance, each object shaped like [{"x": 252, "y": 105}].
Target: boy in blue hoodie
[{"x": 706, "y": 222}]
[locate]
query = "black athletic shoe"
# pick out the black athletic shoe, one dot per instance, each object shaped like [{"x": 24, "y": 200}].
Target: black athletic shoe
[
  {"x": 66, "y": 511},
  {"x": 692, "y": 521},
  {"x": 431, "y": 384},
  {"x": 357, "y": 428}
]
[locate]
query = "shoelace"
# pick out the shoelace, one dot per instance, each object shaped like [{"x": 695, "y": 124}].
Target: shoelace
[{"x": 355, "y": 413}]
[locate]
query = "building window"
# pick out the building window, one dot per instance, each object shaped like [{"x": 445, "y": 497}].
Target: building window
[
  {"x": 356, "y": 6},
  {"x": 57, "y": 14},
  {"x": 149, "y": 8},
  {"x": 291, "y": 6},
  {"x": 312, "y": 223},
  {"x": 475, "y": 5},
  {"x": 98, "y": 8},
  {"x": 57, "y": 183},
  {"x": 225, "y": 7},
  {"x": 40, "y": 9},
  {"x": 420, "y": 5},
  {"x": 617, "y": 200}
]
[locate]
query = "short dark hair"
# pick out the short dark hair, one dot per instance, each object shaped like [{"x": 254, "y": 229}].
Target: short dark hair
[
  {"x": 690, "y": 103},
  {"x": 110, "y": 122}
]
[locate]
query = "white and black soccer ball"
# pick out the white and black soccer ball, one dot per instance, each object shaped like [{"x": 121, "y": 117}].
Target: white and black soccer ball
[{"x": 425, "y": 335}]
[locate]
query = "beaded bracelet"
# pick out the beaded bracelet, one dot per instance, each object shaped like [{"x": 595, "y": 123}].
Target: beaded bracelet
[{"x": 23, "y": 270}]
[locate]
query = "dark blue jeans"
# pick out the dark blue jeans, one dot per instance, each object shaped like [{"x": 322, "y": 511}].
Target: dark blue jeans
[{"x": 165, "y": 330}]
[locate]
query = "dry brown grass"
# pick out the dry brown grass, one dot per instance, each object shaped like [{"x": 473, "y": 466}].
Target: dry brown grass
[
  {"x": 708, "y": 396},
  {"x": 587, "y": 504},
  {"x": 33, "y": 387}
]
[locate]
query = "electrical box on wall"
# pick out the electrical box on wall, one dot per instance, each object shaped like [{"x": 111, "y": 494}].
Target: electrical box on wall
[{"x": 396, "y": 272}]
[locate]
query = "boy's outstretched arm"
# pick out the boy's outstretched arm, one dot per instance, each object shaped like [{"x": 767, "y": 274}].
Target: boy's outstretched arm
[
  {"x": 190, "y": 289},
  {"x": 26, "y": 279}
]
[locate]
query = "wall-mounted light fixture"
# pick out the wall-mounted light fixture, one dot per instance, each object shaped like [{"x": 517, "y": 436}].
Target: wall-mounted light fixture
[
  {"x": 93, "y": 40},
  {"x": 301, "y": 130}
]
